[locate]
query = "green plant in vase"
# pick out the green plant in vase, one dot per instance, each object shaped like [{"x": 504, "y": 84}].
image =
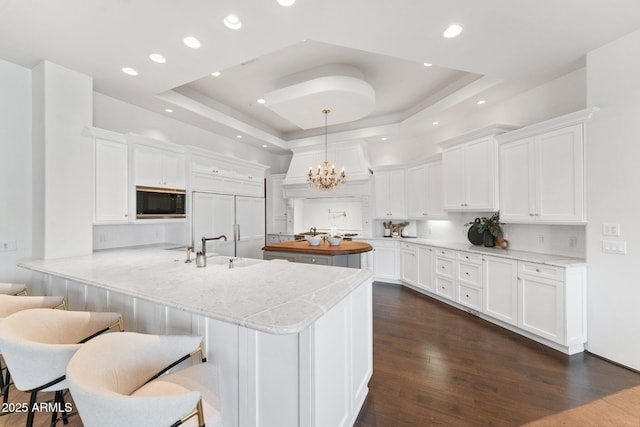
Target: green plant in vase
[{"x": 491, "y": 229}]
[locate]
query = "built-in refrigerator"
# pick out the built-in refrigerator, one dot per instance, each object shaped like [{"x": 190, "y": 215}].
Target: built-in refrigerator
[{"x": 240, "y": 218}]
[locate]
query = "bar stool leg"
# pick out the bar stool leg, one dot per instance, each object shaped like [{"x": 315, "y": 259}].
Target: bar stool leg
[{"x": 30, "y": 414}]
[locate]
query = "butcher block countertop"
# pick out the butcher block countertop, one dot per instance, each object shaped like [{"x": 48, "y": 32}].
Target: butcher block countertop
[{"x": 303, "y": 247}]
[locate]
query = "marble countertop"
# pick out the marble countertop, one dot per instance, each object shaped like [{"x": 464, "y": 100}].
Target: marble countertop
[
  {"x": 549, "y": 259},
  {"x": 276, "y": 296}
]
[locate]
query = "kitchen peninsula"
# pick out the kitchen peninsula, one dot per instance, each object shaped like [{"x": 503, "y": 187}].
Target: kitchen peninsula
[
  {"x": 293, "y": 342},
  {"x": 346, "y": 254}
]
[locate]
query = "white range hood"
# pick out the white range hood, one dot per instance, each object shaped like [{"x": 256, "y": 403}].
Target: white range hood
[{"x": 351, "y": 155}]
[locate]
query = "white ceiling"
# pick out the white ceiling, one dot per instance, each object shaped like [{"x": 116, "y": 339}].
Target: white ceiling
[{"x": 506, "y": 47}]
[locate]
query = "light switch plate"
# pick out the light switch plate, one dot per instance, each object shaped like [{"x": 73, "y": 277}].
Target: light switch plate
[{"x": 610, "y": 229}]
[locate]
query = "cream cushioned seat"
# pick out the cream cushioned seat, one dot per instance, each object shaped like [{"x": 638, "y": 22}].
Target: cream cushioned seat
[
  {"x": 13, "y": 288},
  {"x": 113, "y": 387},
  {"x": 38, "y": 343},
  {"x": 10, "y": 304}
]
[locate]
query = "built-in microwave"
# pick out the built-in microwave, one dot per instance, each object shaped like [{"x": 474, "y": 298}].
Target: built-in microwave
[{"x": 159, "y": 203}]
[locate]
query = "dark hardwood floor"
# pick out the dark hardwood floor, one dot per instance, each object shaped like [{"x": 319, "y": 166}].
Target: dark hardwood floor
[{"x": 435, "y": 365}]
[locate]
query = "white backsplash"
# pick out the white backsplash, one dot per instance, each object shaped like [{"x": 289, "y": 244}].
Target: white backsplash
[
  {"x": 565, "y": 240},
  {"x": 345, "y": 214},
  {"x": 123, "y": 235}
]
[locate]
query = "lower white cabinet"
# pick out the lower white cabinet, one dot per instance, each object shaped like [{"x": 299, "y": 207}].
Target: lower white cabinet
[
  {"x": 552, "y": 303},
  {"x": 426, "y": 280},
  {"x": 409, "y": 260},
  {"x": 500, "y": 289},
  {"x": 469, "y": 280},
  {"x": 444, "y": 273},
  {"x": 385, "y": 259}
]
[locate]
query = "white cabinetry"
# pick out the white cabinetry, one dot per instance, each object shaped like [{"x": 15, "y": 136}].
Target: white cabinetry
[
  {"x": 469, "y": 280},
  {"x": 445, "y": 273},
  {"x": 426, "y": 278},
  {"x": 409, "y": 259},
  {"x": 158, "y": 167},
  {"x": 276, "y": 205},
  {"x": 552, "y": 303},
  {"x": 470, "y": 175},
  {"x": 215, "y": 173},
  {"x": 384, "y": 260},
  {"x": 500, "y": 289},
  {"x": 542, "y": 171},
  {"x": 111, "y": 181},
  {"x": 424, "y": 191},
  {"x": 389, "y": 193}
]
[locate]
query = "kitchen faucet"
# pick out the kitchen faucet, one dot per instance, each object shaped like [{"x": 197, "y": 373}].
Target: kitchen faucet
[
  {"x": 204, "y": 242},
  {"x": 313, "y": 230}
]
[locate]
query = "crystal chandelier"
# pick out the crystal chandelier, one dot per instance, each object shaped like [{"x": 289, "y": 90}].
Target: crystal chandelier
[{"x": 325, "y": 178}]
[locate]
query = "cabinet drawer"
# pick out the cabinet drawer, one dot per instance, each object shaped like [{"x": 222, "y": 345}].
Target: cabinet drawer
[
  {"x": 408, "y": 246},
  {"x": 445, "y": 267},
  {"x": 445, "y": 253},
  {"x": 541, "y": 270},
  {"x": 469, "y": 257},
  {"x": 470, "y": 296},
  {"x": 445, "y": 287},
  {"x": 317, "y": 259},
  {"x": 273, "y": 238},
  {"x": 470, "y": 274},
  {"x": 379, "y": 243}
]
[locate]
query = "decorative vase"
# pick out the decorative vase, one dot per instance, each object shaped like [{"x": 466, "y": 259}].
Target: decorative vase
[{"x": 488, "y": 239}]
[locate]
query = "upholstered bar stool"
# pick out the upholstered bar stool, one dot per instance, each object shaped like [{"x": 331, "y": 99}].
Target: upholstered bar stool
[
  {"x": 10, "y": 304},
  {"x": 120, "y": 380},
  {"x": 38, "y": 343},
  {"x": 13, "y": 288}
]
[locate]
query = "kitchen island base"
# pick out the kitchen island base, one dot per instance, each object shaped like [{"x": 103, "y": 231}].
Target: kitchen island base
[{"x": 315, "y": 377}]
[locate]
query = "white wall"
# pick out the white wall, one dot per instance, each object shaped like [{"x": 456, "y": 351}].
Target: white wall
[
  {"x": 62, "y": 165},
  {"x": 15, "y": 168},
  {"x": 613, "y": 155}
]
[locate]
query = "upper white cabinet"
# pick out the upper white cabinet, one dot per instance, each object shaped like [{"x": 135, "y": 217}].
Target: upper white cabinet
[
  {"x": 542, "y": 177},
  {"x": 542, "y": 171},
  {"x": 470, "y": 171},
  {"x": 110, "y": 171},
  {"x": 276, "y": 205},
  {"x": 158, "y": 167},
  {"x": 389, "y": 193},
  {"x": 215, "y": 173},
  {"x": 424, "y": 191}
]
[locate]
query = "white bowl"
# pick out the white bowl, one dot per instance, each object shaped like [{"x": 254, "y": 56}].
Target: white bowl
[
  {"x": 334, "y": 241},
  {"x": 314, "y": 240}
]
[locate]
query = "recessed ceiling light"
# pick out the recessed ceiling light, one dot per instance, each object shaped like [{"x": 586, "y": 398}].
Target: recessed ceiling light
[
  {"x": 264, "y": 145},
  {"x": 453, "y": 31},
  {"x": 286, "y": 3},
  {"x": 383, "y": 138},
  {"x": 168, "y": 110},
  {"x": 216, "y": 74},
  {"x": 239, "y": 136},
  {"x": 260, "y": 101},
  {"x": 482, "y": 101},
  {"x": 232, "y": 22},
  {"x": 130, "y": 71},
  {"x": 427, "y": 64},
  {"x": 435, "y": 123},
  {"x": 156, "y": 57},
  {"x": 192, "y": 42}
]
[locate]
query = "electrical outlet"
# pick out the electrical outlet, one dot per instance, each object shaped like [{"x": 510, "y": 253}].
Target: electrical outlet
[
  {"x": 617, "y": 247},
  {"x": 541, "y": 239},
  {"x": 573, "y": 241},
  {"x": 8, "y": 245}
]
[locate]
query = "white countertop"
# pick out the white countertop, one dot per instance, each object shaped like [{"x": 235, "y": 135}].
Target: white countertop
[
  {"x": 549, "y": 259},
  {"x": 275, "y": 296}
]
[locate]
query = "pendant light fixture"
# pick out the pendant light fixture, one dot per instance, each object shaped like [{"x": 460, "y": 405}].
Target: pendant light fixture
[{"x": 325, "y": 178}]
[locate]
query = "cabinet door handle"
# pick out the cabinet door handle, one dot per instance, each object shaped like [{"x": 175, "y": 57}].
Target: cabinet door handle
[
  {"x": 530, "y": 214},
  {"x": 313, "y": 260},
  {"x": 537, "y": 270},
  {"x": 467, "y": 273},
  {"x": 467, "y": 295}
]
